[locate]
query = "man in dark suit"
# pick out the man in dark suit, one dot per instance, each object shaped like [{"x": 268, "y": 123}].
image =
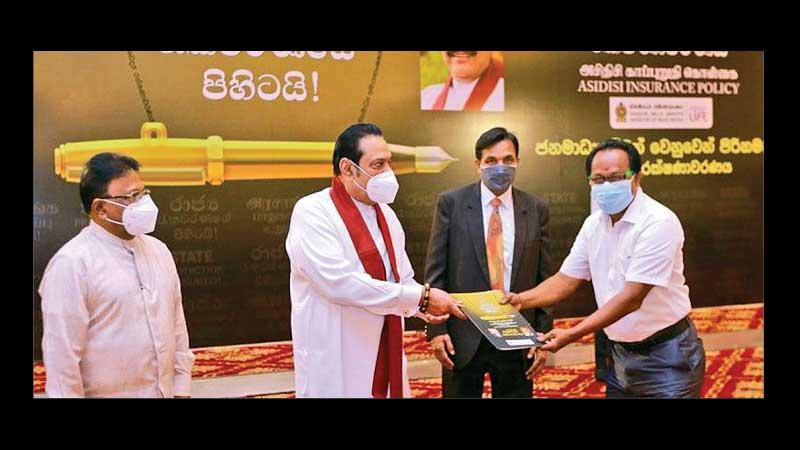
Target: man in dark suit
[{"x": 485, "y": 236}]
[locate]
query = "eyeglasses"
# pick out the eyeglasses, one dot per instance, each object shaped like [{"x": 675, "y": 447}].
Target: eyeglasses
[
  {"x": 613, "y": 178},
  {"x": 133, "y": 197}
]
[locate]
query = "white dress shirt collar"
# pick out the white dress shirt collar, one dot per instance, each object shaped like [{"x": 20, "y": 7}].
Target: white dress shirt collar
[
  {"x": 635, "y": 212},
  {"x": 487, "y": 196}
]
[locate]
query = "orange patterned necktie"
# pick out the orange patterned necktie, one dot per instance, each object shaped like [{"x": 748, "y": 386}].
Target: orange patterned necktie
[{"x": 494, "y": 247}]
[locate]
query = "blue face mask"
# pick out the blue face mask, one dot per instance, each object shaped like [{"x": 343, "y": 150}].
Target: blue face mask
[
  {"x": 612, "y": 198},
  {"x": 498, "y": 178}
]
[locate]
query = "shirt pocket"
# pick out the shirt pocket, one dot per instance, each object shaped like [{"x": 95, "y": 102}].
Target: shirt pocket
[
  {"x": 622, "y": 260},
  {"x": 618, "y": 268}
]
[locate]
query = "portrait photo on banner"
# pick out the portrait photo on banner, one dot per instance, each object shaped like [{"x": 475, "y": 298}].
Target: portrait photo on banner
[{"x": 462, "y": 81}]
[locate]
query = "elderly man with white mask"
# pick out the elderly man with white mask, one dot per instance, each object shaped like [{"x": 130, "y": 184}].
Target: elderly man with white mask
[{"x": 351, "y": 280}]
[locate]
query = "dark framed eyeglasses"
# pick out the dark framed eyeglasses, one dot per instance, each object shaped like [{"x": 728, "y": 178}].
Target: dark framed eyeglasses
[{"x": 613, "y": 178}]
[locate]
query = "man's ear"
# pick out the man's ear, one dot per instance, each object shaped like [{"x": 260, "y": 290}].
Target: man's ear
[
  {"x": 98, "y": 207},
  {"x": 343, "y": 164}
]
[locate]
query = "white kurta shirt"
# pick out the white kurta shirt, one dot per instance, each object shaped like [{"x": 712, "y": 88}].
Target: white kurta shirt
[
  {"x": 113, "y": 319},
  {"x": 506, "y": 211},
  {"x": 459, "y": 94},
  {"x": 370, "y": 217},
  {"x": 337, "y": 307},
  {"x": 645, "y": 246}
]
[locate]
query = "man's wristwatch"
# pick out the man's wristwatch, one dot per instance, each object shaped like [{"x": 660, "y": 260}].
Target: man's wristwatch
[{"x": 426, "y": 296}]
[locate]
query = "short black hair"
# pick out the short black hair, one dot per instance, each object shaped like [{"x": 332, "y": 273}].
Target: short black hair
[
  {"x": 634, "y": 160},
  {"x": 493, "y": 136},
  {"x": 99, "y": 172},
  {"x": 347, "y": 144}
]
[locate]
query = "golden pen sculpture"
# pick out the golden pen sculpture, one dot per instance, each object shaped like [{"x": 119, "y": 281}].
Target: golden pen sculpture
[{"x": 168, "y": 161}]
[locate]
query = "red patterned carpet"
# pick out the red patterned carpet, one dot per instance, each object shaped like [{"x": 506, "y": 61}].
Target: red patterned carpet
[
  {"x": 707, "y": 320},
  {"x": 735, "y": 373},
  {"x": 730, "y": 373}
]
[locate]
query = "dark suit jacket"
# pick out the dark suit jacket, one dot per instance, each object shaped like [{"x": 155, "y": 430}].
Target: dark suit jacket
[{"x": 456, "y": 260}]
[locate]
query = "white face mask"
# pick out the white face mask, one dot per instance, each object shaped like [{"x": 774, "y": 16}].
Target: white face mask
[
  {"x": 381, "y": 188},
  {"x": 139, "y": 217}
]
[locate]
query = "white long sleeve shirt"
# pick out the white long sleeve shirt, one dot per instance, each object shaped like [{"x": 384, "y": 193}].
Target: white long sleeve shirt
[
  {"x": 506, "y": 211},
  {"x": 337, "y": 307},
  {"x": 113, "y": 319}
]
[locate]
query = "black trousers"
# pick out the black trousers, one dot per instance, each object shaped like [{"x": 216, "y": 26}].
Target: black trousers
[{"x": 506, "y": 371}]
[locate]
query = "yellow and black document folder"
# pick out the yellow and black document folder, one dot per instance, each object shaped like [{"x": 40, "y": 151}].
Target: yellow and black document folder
[{"x": 502, "y": 325}]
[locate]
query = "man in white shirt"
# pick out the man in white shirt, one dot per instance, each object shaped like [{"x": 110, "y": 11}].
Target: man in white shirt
[
  {"x": 351, "y": 280},
  {"x": 111, "y": 297},
  {"x": 475, "y": 83},
  {"x": 632, "y": 251}
]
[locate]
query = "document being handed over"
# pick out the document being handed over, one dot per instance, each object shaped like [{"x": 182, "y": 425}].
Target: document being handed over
[{"x": 502, "y": 325}]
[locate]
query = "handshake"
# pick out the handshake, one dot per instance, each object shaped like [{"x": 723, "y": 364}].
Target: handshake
[{"x": 440, "y": 306}]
